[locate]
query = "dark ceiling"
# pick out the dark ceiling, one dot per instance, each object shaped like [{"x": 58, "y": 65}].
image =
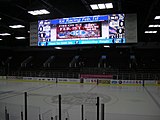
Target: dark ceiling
[{"x": 16, "y": 12}]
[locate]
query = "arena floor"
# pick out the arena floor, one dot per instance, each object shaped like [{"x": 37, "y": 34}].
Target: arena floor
[{"x": 121, "y": 102}]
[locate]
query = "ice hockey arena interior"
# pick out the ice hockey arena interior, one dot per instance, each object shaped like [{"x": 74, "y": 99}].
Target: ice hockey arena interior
[{"x": 79, "y": 60}]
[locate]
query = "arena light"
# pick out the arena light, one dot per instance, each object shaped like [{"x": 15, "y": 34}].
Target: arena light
[
  {"x": 16, "y": 26},
  {"x": 154, "y": 31},
  {"x": 157, "y": 17},
  {"x": 20, "y": 38},
  {"x": 44, "y": 11},
  {"x": 101, "y": 6},
  {"x": 39, "y": 12},
  {"x": 151, "y": 26},
  {"x": 94, "y": 7},
  {"x": 150, "y": 32},
  {"x": 146, "y": 32},
  {"x": 157, "y": 26},
  {"x": 154, "y": 26},
  {"x": 109, "y": 5},
  {"x": 4, "y": 34},
  {"x": 58, "y": 48},
  {"x": 0, "y": 18},
  {"x": 106, "y": 46},
  {"x": 32, "y": 13},
  {"x": 0, "y": 39}
]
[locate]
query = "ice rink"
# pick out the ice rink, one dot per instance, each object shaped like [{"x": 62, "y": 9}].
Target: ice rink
[{"x": 121, "y": 102}]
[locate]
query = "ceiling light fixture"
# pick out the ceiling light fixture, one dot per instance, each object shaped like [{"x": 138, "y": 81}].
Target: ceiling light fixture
[
  {"x": 20, "y": 38},
  {"x": 39, "y": 12},
  {"x": 32, "y": 12},
  {"x": 58, "y": 48},
  {"x": 4, "y": 34},
  {"x": 106, "y": 46},
  {"x": 154, "y": 31},
  {"x": 154, "y": 26},
  {"x": 157, "y": 17},
  {"x": 94, "y": 7},
  {"x": 101, "y": 6},
  {"x": 16, "y": 26},
  {"x": 44, "y": 11},
  {"x": 150, "y": 32},
  {"x": 109, "y": 5},
  {"x": 151, "y": 26}
]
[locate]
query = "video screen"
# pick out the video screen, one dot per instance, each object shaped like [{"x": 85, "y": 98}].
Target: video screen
[
  {"x": 99, "y": 29},
  {"x": 83, "y": 30}
]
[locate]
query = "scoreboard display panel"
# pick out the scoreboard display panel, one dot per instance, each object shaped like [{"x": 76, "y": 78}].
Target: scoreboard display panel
[{"x": 98, "y": 29}]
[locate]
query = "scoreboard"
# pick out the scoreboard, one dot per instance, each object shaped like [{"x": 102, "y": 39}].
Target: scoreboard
[{"x": 98, "y": 29}]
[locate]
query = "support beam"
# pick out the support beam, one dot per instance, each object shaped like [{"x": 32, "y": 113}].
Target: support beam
[
  {"x": 48, "y": 5},
  {"x": 13, "y": 18},
  {"x": 87, "y": 6},
  {"x": 150, "y": 11}
]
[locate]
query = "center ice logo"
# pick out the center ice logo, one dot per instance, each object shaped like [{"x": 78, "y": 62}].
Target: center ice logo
[{"x": 81, "y": 98}]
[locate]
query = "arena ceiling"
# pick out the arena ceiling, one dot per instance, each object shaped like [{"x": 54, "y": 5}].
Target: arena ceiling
[{"x": 16, "y": 12}]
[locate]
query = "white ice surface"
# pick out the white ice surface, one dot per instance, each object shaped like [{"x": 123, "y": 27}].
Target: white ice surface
[{"x": 126, "y": 103}]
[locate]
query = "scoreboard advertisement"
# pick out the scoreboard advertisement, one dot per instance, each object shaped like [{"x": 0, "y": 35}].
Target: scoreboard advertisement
[{"x": 98, "y": 29}]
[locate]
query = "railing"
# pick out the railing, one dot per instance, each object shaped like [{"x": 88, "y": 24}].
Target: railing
[
  {"x": 75, "y": 73},
  {"x": 45, "y": 74}
]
